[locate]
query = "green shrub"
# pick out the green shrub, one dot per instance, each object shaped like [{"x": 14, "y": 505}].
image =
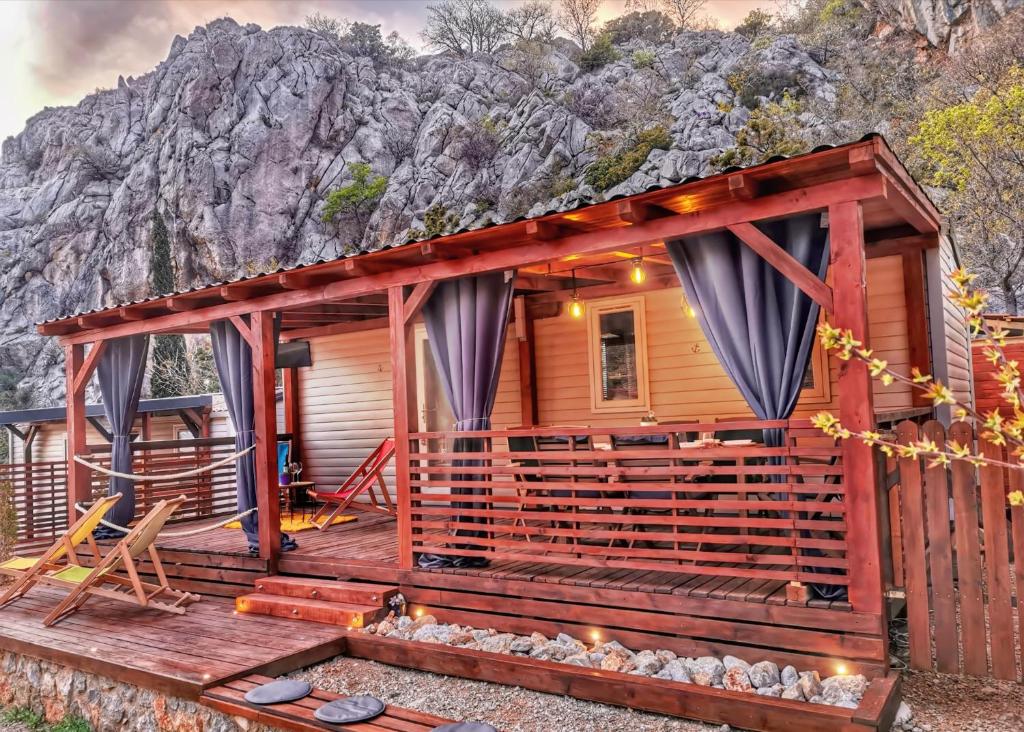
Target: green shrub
[
  {"x": 8, "y": 519},
  {"x": 600, "y": 53},
  {"x": 23, "y": 715},
  {"x": 643, "y": 59},
  {"x": 649, "y": 25},
  {"x": 72, "y": 724},
  {"x": 358, "y": 199},
  {"x": 436, "y": 221},
  {"x": 610, "y": 170},
  {"x": 773, "y": 129}
]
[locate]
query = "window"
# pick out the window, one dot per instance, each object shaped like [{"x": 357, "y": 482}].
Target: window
[
  {"x": 618, "y": 356},
  {"x": 816, "y": 388}
]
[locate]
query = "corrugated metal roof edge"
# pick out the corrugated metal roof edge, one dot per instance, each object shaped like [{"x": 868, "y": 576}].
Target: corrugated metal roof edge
[{"x": 549, "y": 212}]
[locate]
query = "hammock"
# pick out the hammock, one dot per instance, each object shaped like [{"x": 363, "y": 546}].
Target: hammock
[
  {"x": 189, "y": 532},
  {"x": 162, "y": 476}
]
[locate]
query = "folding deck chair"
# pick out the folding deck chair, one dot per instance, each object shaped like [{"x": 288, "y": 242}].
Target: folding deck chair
[
  {"x": 61, "y": 554},
  {"x": 85, "y": 582},
  {"x": 361, "y": 481}
]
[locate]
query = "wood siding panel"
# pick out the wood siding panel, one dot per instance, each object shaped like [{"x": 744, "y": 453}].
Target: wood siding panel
[
  {"x": 957, "y": 339},
  {"x": 686, "y": 380}
]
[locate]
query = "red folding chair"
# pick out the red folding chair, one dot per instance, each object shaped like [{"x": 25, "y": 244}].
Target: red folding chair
[{"x": 362, "y": 480}]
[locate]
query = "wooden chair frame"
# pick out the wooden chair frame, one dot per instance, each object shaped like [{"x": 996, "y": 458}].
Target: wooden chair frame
[
  {"x": 362, "y": 480},
  {"x": 64, "y": 548},
  {"x": 126, "y": 555}
]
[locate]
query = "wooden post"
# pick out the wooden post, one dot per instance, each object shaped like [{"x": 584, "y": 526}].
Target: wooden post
[
  {"x": 917, "y": 320},
  {"x": 856, "y": 409},
  {"x": 79, "y": 480},
  {"x": 26, "y": 459},
  {"x": 144, "y": 491},
  {"x": 292, "y": 422},
  {"x": 403, "y": 393},
  {"x": 268, "y": 497},
  {"x": 527, "y": 373}
]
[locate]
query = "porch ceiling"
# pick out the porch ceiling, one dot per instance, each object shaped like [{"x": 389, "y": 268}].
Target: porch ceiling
[{"x": 897, "y": 215}]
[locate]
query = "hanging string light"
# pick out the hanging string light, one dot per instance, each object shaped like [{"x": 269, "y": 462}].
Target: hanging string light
[
  {"x": 576, "y": 307},
  {"x": 637, "y": 274},
  {"x": 687, "y": 308}
]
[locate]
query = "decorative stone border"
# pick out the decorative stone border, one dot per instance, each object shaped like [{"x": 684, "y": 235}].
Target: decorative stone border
[{"x": 734, "y": 674}]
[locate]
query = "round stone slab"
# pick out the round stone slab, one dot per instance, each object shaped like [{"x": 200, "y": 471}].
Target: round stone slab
[
  {"x": 278, "y": 692},
  {"x": 349, "y": 710},
  {"x": 465, "y": 727}
]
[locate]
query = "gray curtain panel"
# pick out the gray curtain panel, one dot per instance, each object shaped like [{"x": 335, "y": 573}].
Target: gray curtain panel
[
  {"x": 232, "y": 357},
  {"x": 120, "y": 373},
  {"x": 759, "y": 324},
  {"x": 466, "y": 322}
]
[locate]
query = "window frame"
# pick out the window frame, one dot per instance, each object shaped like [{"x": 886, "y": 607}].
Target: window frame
[
  {"x": 595, "y": 309},
  {"x": 821, "y": 392}
]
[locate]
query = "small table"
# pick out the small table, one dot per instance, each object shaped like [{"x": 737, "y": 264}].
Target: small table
[{"x": 291, "y": 492}]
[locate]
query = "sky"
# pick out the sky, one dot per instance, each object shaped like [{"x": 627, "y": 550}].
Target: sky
[{"x": 58, "y": 51}]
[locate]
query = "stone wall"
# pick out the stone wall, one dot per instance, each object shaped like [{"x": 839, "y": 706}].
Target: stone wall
[{"x": 109, "y": 706}]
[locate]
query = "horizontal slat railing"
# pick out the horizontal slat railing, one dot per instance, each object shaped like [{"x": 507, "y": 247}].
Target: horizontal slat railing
[
  {"x": 211, "y": 493},
  {"x": 40, "y": 501},
  {"x": 744, "y": 511}
]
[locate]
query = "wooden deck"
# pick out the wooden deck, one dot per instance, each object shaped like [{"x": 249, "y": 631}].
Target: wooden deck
[
  {"x": 180, "y": 655},
  {"x": 372, "y": 541}
]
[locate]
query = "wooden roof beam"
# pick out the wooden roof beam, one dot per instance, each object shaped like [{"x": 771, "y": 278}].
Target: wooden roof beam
[
  {"x": 636, "y": 212},
  {"x": 185, "y": 304},
  {"x": 743, "y": 187},
  {"x": 351, "y": 326},
  {"x": 302, "y": 279},
  {"x": 243, "y": 291},
  {"x": 908, "y": 207},
  {"x": 546, "y": 230}
]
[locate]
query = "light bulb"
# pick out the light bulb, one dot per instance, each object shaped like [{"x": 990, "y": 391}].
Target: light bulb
[
  {"x": 637, "y": 274},
  {"x": 576, "y": 308},
  {"x": 687, "y": 309}
]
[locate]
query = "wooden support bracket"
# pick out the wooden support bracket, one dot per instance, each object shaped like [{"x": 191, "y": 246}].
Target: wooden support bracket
[
  {"x": 784, "y": 262},
  {"x": 244, "y": 330},
  {"x": 98, "y": 426},
  {"x": 92, "y": 359},
  {"x": 417, "y": 299}
]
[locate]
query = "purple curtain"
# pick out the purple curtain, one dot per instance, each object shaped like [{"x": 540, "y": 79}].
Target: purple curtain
[
  {"x": 120, "y": 373},
  {"x": 466, "y": 322},
  {"x": 760, "y": 325},
  {"x": 232, "y": 357}
]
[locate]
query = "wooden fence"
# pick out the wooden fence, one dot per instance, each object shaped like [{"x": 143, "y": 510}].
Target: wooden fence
[
  {"x": 953, "y": 536},
  {"x": 40, "y": 501},
  {"x": 637, "y": 498},
  {"x": 211, "y": 493}
]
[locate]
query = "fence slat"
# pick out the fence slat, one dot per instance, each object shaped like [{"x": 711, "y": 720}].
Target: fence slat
[
  {"x": 997, "y": 565},
  {"x": 914, "y": 552},
  {"x": 968, "y": 557},
  {"x": 940, "y": 557}
]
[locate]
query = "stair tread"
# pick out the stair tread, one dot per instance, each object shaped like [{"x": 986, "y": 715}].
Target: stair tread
[
  {"x": 309, "y": 602},
  {"x": 334, "y": 584}
]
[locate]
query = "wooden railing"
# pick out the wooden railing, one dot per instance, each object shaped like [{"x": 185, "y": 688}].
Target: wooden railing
[
  {"x": 40, "y": 501},
  {"x": 604, "y": 498},
  {"x": 211, "y": 493}
]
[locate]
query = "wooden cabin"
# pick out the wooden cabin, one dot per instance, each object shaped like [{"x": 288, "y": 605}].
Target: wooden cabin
[{"x": 623, "y": 486}]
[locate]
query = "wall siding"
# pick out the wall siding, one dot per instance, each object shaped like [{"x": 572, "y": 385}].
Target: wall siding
[{"x": 686, "y": 380}]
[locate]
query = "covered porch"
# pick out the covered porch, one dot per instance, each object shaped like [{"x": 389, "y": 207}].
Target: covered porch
[{"x": 676, "y": 510}]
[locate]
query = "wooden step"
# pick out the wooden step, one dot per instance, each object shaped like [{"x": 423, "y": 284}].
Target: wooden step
[
  {"x": 302, "y": 608},
  {"x": 354, "y": 593}
]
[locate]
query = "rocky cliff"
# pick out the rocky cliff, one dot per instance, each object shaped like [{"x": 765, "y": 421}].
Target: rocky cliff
[
  {"x": 946, "y": 24},
  {"x": 240, "y": 133}
]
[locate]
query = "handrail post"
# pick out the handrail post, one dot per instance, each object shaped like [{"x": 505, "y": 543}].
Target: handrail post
[{"x": 403, "y": 392}]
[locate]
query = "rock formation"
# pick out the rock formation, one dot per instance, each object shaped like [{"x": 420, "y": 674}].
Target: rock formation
[
  {"x": 946, "y": 24},
  {"x": 237, "y": 137}
]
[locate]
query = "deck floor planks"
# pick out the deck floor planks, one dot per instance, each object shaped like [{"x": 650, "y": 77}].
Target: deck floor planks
[
  {"x": 149, "y": 648},
  {"x": 372, "y": 538}
]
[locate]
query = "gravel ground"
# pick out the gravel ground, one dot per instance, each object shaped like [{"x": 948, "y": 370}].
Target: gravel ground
[
  {"x": 947, "y": 703},
  {"x": 940, "y": 702}
]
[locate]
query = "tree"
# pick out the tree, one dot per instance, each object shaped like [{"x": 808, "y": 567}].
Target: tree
[
  {"x": 686, "y": 14},
  {"x": 358, "y": 200},
  {"x": 757, "y": 24},
  {"x": 600, "y": 53},
  {"x": 578, "y": 18},
  {"x": 533, "y": 22},
  {"x": 12, "y": 396},
  {"x": 325, "y": 24},
  {"x": 974, "y": 149},
  {"x": 170, "y": 361},
  {"x": 649, "y": 25},
  {"x": 200, "y": 378},
  {"x": 464, "y": 27}
]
